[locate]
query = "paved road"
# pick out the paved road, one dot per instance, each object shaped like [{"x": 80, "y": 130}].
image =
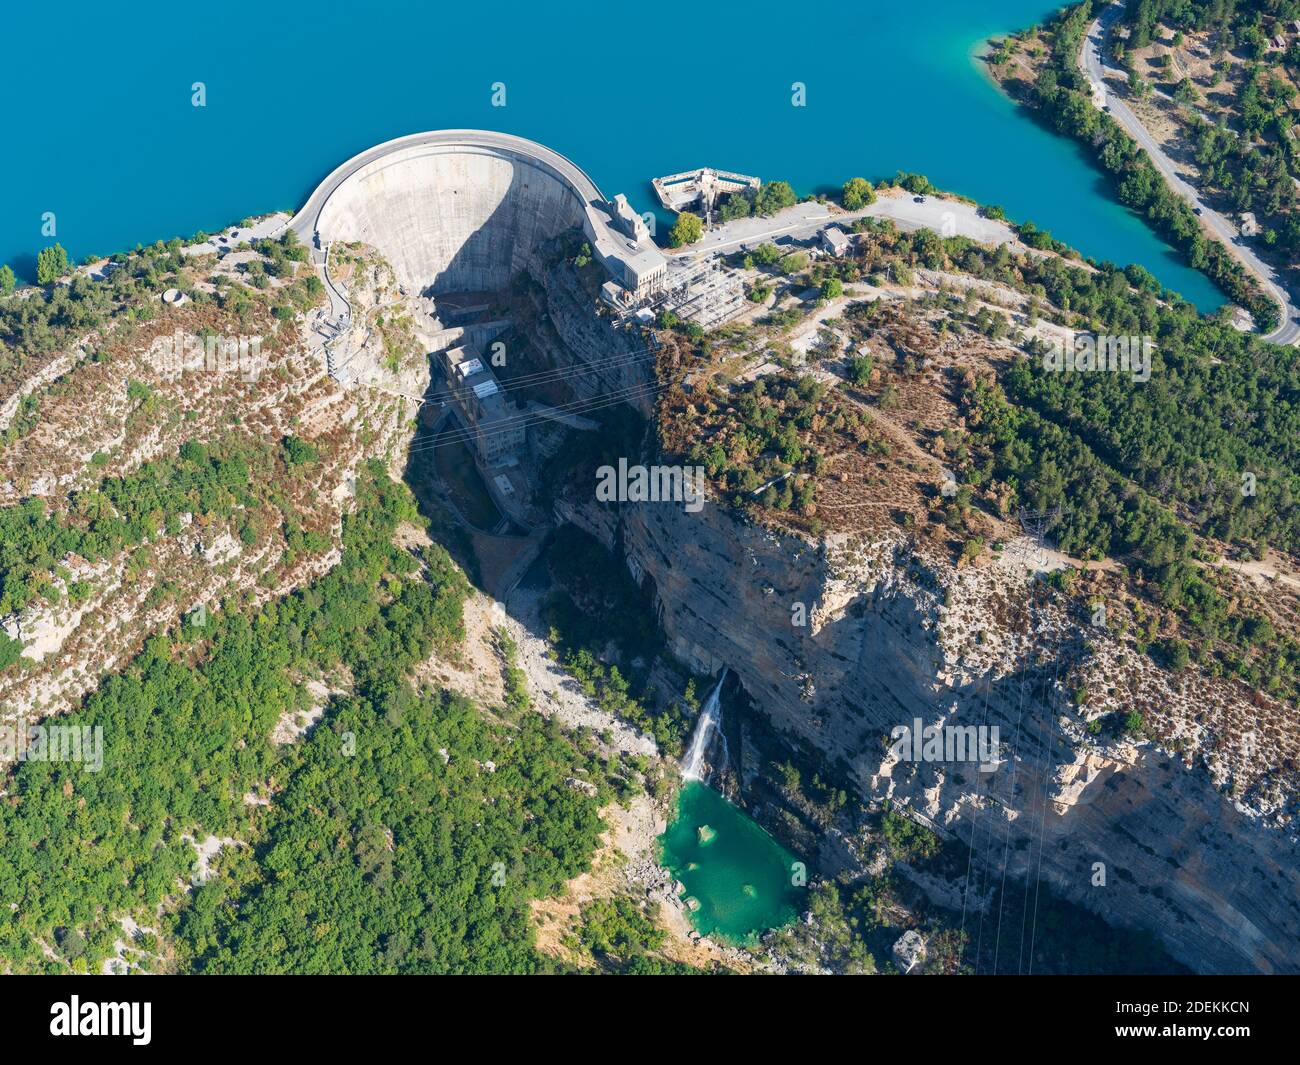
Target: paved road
[
  {"x": 340, "y": 308},
  {"x": 800, "y": 221},
  {"x": 271, "y": 226},
  {"x": 805, "y": 220},
  {"x": 1095, "y": 70}
]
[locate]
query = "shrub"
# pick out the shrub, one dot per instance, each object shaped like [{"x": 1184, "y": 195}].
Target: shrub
[{"x": 857, "y": 194}]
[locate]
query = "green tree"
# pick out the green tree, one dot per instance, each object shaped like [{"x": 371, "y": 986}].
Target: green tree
[
  {"x": 51, "y": 264},
  {"x": 915, "y": 183},
  {"x": 737, "y": 205},
  {"x": 774, "y": 196},
  {"x": 1175, "y": 654},
  {"x": 10, "y": 650},
  {"x": 686, "y": 230},
  {"x": 860, "y": 367},
  {"x": 297, "y": 452},
  {"x": 7, "y": 280},
  {"x": 857, "y": 194}
]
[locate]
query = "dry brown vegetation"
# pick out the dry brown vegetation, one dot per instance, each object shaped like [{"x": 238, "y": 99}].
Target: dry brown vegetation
[{"x": 117, "y": 405}]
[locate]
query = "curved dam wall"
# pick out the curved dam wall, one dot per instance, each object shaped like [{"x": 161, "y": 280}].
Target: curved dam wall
[{"x": 456, "y": 210}]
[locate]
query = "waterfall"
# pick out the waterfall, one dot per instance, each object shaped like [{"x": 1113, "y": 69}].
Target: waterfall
[{"x": 707, "y": 725}]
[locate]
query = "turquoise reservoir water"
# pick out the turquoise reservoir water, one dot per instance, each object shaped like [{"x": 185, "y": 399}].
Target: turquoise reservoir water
[
  {"x": 100, "y": 130},
  {"x": 739, "y": 877}
]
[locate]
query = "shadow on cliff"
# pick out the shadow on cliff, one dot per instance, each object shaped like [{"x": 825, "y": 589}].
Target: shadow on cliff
[
  {"x": 1132, "y": 845},
  {"x": 494, "y": 253},
  {"x": 488, "y": 261},
  {"x": 889, "y": 676}
]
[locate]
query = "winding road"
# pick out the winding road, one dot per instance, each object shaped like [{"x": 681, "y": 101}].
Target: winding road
[{"x": 1095, "y": 69}]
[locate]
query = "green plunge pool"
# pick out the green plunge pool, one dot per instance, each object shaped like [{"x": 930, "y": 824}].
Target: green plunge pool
[{"x": 742, "y": 881}]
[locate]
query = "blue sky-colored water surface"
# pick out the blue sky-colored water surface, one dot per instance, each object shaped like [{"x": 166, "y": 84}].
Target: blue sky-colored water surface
[{"x": 100, "y": 129}]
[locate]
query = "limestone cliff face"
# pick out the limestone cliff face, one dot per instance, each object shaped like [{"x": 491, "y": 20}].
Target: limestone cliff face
[
  {"x": 891, "y": 637},
  {"x": 607, "y": 362}
]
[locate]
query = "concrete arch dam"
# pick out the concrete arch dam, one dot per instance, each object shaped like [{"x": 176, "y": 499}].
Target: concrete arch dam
[{"x": 462, "y": 210}]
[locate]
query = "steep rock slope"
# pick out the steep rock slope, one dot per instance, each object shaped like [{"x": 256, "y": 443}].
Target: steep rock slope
[{"x": 889, "y": 640}]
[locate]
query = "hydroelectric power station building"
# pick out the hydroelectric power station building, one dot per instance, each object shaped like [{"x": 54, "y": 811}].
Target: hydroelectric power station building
[{"x": 496, "y": 431}]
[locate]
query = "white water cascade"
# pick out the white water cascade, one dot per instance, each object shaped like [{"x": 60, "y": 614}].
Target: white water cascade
[{"x": 707, "y": 725}]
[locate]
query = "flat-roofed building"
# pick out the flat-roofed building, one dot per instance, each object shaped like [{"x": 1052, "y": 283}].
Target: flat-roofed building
[
  {"x": 645, "y": 271},
  {"x": 495, "y": 429},
  {"x": 467, "y": 368},
  {"x": 614, "y": 294},
  {"x": 640, "y": 269}
]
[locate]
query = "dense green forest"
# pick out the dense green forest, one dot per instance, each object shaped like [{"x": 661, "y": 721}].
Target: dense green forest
[
  {"x": 378, "y": 854},
  {"x": 1236, "y": 17},
  {"x": 394, "y": 859},
  {"x": 1098, "y": 511}
]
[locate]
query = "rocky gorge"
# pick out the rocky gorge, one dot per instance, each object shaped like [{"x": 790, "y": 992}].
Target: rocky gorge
[{"x": 1141, "y": 836}]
